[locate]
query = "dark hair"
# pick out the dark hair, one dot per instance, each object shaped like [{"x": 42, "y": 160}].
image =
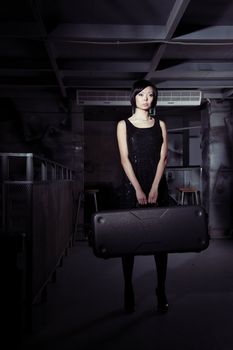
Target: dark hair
[{"x": 140, "y": 85}]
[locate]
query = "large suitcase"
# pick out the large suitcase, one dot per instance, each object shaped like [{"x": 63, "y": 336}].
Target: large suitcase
[{"x": 146, "y": 231}]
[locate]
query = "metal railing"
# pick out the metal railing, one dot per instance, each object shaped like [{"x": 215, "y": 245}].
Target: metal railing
[
  {"x": 29, "y": 167},
  {"x": 37, "y": 200}
]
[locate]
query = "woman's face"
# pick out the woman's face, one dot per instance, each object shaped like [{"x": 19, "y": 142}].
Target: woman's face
[{"x": 144, "y": 98}]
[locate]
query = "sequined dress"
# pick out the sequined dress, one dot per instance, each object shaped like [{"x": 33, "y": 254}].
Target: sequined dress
[{"x": 144, "y": 146}]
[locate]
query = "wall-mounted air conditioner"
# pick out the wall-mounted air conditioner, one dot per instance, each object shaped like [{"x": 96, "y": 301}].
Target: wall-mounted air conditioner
[
  {"x": 179, "y": 98},
  {"x": 121, "y": 98},
  {"x": 103, "y": 98}
]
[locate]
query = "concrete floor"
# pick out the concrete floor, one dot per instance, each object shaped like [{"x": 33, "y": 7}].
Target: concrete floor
[{"x": 85, "y": 305}]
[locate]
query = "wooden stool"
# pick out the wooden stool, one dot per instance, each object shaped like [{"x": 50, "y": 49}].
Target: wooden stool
[
  {"x": 189, "y": 191},
  {"x": 93, "y": 192}
]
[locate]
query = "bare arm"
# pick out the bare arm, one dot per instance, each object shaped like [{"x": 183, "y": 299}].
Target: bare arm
[
  {"x": 153, "y": 195},
  {"x": 126, "y": 164}
]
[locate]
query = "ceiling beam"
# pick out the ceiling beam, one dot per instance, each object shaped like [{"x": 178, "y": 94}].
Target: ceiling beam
[
  {"x": 172, "y": 22},
  {"x": 175, "y": 16},
  {"x": 196, "y": 67},
  {"x": 101, "y": 32},
  {"x": 85, "y": 83},
  {"x": 194, "y": 75},
  {"x": 195, "y": 84},
  {"x": 209, "y": 34},
  {"x": 103, "y": 66}
]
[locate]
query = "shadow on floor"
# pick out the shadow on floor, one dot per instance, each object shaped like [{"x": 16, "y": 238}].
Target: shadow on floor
[{"x": 84, "y": 307}]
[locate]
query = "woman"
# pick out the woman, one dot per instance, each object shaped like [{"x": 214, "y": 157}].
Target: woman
[{"x": 142, "y": 142}]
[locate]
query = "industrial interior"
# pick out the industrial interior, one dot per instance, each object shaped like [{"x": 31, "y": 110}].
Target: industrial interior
[{"x": 66, "y": 71}]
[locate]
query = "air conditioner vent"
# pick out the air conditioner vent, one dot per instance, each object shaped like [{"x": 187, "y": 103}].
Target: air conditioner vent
[
  {"x": 179, "y": 98},
  {"x": 103, "y": 98},
  {"x": 122, "y": 98}
]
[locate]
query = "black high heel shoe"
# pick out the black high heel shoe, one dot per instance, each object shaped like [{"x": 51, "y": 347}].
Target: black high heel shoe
[
  {"x": 129, "y": 300},
  {"x": 162, "y": 301}
]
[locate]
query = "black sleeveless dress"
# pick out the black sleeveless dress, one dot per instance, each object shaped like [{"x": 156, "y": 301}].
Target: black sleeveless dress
[{"x": 144, "y": 146}]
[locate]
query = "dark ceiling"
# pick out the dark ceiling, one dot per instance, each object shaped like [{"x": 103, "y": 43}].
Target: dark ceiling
[{"x": 65, "y": 45}]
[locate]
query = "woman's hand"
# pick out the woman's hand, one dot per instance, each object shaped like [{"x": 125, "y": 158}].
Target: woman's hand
[
  {"x": 152, "y": 197},
  {"x": 141, "y": 197}
]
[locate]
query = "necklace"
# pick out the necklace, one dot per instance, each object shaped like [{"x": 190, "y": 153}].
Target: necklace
[{"x": 141, "y": 119}]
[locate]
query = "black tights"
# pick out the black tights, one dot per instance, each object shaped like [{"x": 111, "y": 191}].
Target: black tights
[{"x": 161, "y": 266}]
